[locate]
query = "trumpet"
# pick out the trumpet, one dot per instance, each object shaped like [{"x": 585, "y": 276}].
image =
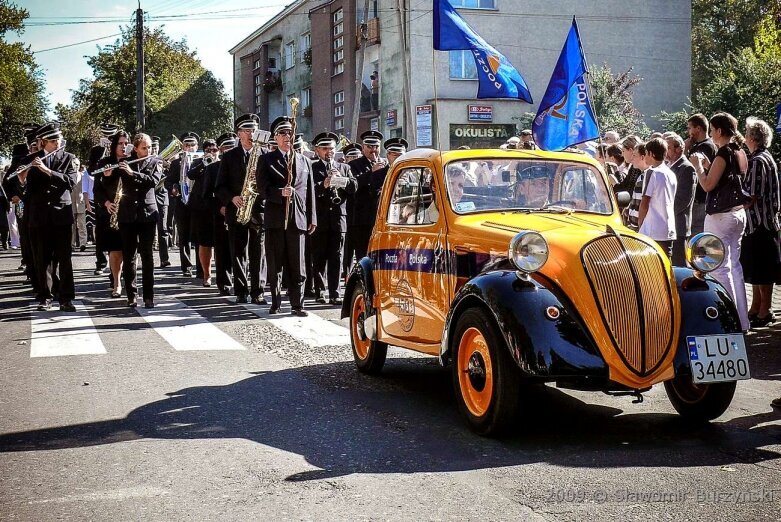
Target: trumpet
[{"x": 335, "y": 182}]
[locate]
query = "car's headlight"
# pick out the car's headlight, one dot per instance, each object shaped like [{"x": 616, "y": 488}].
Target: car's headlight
[
  {"x": 528, "y": 251},
  {"x": 705, "y": 252}
]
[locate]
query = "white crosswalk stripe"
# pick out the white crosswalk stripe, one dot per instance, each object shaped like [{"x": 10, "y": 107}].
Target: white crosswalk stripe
[
  {"x": 62, "y": 334},
  {"x": 185, "y": 329},
  {"x": 312, "y": 330}
]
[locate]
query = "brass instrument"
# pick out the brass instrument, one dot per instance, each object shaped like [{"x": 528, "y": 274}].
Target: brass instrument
[
  {"x": 336, "y": 182},
  {"x": 113, "y": 220},
  {"x": 249, "y": 191},
  {"x": 291, "y": 154}
]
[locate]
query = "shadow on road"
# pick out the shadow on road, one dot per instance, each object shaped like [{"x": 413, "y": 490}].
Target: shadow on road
[{"x": 405, "y": 421}]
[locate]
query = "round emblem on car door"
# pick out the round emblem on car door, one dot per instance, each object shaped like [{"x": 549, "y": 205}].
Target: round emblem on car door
[{"x": 404, "y": 300}]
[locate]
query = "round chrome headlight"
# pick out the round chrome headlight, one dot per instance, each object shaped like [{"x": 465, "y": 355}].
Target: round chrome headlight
[
  {"x": 528, "y": 251},
  {"x": 705, "y": 252}
]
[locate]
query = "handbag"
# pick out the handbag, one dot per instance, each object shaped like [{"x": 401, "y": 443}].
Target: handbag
[{"x": 729, "y": 192}]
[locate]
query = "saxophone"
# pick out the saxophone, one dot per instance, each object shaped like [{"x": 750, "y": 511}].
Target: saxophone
[
  {"x": 113, "y": 221},
  {"x": 249, "y": 191}
]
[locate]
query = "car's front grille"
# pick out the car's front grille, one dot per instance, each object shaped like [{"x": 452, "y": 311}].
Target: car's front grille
[{"x": 633, "y": 293}]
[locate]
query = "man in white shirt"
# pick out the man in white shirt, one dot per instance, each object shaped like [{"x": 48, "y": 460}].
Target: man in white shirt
[
  {"x": 656, "y": 216},
  {"x": 79, "y": 209}
]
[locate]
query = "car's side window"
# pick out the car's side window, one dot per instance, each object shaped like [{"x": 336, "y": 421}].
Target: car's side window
[{"x": 413, "y": 201}]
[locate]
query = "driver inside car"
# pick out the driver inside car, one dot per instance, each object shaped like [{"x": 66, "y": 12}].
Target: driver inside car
[{"x": 532, "y": 188}]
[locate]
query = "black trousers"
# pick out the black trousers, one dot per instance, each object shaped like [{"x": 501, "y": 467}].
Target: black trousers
[
  {"x": 27, "y": 253},
  {"x": 361, "y": 235},
  {"x": 162, "y": 232},
  {"x": 183, "y": 220},
  {"x": 223, "y": 264},
  {"x": 285, "y": 249},
  {"x": 100, "y": 255},
  {"x": 327, "y": 247},
  {"x": 679, "y": 252},
  {"x": 667, "y": 246},
  {"x": 247, "y": 242},
  {"x": 309, "y": 263},
  {"x": 138, "y": 238},
  {"x": 349, "y": 251},
  {"x": 51, "y": 246}
]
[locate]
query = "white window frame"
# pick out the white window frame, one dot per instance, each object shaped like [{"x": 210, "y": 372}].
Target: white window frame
[
  {"x": 338, "y": 15},
  {"x": 338, "y": 55},
  {"x": 290, "y": 54},
  {"x": 338, "y": 28},
  {"x": 338, "y": 42},
  {"x": 339, "y": 124},
  {"x": 462, "y": 4},
  {"x": 306, "y": 44},
  {"x": 338, "y": 97},
  {"x": 306, "y": 97},
  {"x": 466, "y": 58},
  {"x": 339, "y": 110},
  {"x": 338, "y": 68}
]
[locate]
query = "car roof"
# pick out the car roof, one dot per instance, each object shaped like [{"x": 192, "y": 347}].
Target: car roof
[{"x": 446, "y": 156}]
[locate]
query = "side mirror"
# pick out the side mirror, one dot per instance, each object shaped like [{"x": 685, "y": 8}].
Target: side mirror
[{"x": 624, "y": 198}]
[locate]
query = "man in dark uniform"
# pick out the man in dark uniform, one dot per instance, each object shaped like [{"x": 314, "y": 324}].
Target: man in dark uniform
[
  {"x": 394, "y": 147},
  {"x": 222, "y": 254},
  {"x": 296, "y": 202},
  {"x": 351, "y": 152},
  {"x": 245, "y": 240},
  {"x": 96, "y": 153},
  {"x": 364, "y": 209},
  {"x": 14, "y": 189},
  {"x": 328, "y": 239},
  {"x": 49, "y": 184},
  {"x": 179, "y": 185},
  {"x": 161, "y": 197}
]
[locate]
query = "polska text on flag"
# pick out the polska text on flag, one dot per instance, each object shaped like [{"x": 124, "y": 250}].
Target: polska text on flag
[
  {"x": 497, "y": 76},
  {"x": 565, "y": 116}
]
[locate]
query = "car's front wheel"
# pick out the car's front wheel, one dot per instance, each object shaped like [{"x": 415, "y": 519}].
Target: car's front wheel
[
  {"x": 699, "y": 402},
  {"x": 486, "y": 379},
  {"x": 369, "y": 355}
]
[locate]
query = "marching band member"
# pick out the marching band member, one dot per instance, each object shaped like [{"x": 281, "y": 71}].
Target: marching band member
[
  {"x": 245, "y": 240},
  {"x": 161, "y": 195},
  {"x": 97, "y": 153},
  {"x": 364, "y": 209},
  {"x": 202, "y": 220},
  {"x": 328, "y": 239},
  {"x": 107, "y": 238},
  {"x": 50, "y": 216},
  {"x": 351, "y": 152},
  {"x": 292, "y": 198},
  {"x": 15, "y": 190},
  {"x": 222, "y": 254},
  {"x": 394, "y": 147},
  {"x": 178, "y": 186},
  {"x": 137, "y": 217}
]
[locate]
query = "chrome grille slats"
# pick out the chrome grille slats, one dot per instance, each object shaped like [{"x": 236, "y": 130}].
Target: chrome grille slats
[{"x": 625, "y": 275}]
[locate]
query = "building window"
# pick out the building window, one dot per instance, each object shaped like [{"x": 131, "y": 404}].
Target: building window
[
  {"x": 258, "y": 100},
  {"x": 372, "y": 11},
  {"x": 339, "y": 110},
  {"x": 258, "y": 89},
  {"x": 306, "y": 43},
  {"x": 339, "y": 123},
  {"x": 339, "y": 55},
  {"x": 258, "y": 79},
  {"x": 272, "y": 63},
  {"x": 290, "y": 55},
  {"x": 306, "y": 97},
  {"x": 339, "y": 97},
  {"x": 338, "y": 42},
  {"x": 338, "y": 15},
  {"x": 338, "y": 68},
  {"x": 462, "y": 65},
  {"x": 256, "y": 65},
  {"x": 474, "y": 4},
  {"x": 338, "y": 28}
]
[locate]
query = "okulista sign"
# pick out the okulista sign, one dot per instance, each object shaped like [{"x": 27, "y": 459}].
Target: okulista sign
[{"x": 480, "y": 135}]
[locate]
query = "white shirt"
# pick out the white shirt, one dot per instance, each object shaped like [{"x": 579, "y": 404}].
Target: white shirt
[
  {"x": 659, "y": 222},
  {"x": 87, "y": 183}
]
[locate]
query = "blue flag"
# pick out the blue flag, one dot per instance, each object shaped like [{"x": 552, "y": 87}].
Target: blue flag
[
  {"x": 498, "y": 78},
  {"x": 565, "y": 116},
  {"x": 778, "y": 118}
]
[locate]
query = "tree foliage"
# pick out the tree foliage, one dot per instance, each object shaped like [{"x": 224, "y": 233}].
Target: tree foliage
[
  {"x": 22, "y": 92},
  {"x": 180, "y": 94},
  {"x": 612, "y": 99}
]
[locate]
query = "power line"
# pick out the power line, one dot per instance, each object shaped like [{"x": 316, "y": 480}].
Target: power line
[{"x": 77, "y": 43}]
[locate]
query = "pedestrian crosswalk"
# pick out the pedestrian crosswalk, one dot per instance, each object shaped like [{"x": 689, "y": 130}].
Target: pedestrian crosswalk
[{"x": 182, "y": 327}]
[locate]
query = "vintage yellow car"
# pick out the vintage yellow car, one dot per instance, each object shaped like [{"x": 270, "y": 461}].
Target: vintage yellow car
[{"x": 514, "y": 266}]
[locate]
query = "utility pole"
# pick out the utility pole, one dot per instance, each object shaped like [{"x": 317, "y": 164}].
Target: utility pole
[
  {"x": 364, "y": 37},
  {"x": 140, "y": 121},
  {"x": 408, "y": 129}
]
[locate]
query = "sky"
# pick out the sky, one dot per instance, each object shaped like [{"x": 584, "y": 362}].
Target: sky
[{"x": 210, "y": 35}]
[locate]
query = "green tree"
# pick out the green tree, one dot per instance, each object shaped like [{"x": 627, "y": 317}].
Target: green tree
[
  {"x": 719, "y": 28},
  {"x": 22, "y": 97},
  {"x": 612, "y": 99},
  {"x": 180, "y": 94}
]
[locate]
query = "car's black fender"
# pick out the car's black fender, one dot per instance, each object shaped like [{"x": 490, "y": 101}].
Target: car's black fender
[
  {"x": 362, "y": 271},
  {"x": 699, "y": 296},
  {"x": 542, "y": 346}
]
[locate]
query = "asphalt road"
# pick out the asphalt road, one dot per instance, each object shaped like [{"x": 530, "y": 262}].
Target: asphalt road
[{"x": 205, "y": 410}]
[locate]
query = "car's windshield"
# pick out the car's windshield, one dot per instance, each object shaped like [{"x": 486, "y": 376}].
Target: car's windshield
[{"x": 490, "y": 184}]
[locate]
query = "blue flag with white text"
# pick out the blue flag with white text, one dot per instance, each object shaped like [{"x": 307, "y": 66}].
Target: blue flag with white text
[
  {"x": 498, "y": 78},
  {"x": 565, "y": 116}
]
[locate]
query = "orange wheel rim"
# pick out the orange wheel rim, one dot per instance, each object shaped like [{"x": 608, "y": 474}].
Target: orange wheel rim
[
  {"x": 475, "y": 373},
  {"x": 360, "y": 344}
]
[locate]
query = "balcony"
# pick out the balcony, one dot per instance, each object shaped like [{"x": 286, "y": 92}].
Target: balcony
[{"x": 372, "y": 33}]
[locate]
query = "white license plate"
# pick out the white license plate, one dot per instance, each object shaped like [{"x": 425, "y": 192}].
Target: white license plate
[{"x": 718, "y": 358}]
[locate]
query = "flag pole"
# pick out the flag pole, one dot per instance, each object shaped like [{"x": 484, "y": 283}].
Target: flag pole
[
  {"x": 435, "y": 116},
  {"x": 590, "y": 90}
]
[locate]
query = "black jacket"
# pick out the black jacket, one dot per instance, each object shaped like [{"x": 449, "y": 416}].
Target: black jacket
[
  {"x": 272, "y": 178},
  {"x": 363, "y": 209},
  {"x": 95, "y": 155},
  {"x": 330, "y": 216},
  {"x": 48, "y": 198},
  {"x": 684, "y": 196},
  {"x": 230, "y": 181},
  {"x": 197, "y": 174},
  {"x": 138, "y": 203},
  {"x": 105, "y": 187}
]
